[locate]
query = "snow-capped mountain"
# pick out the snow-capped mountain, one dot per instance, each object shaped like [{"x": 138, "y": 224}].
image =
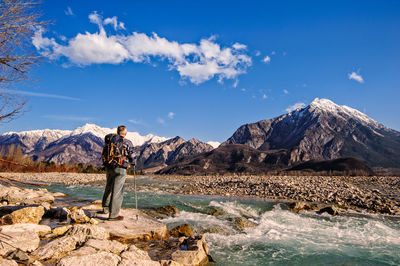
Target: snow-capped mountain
[
  {"x": 84, "y": 145},
  {"x": 324, "y": 130}
]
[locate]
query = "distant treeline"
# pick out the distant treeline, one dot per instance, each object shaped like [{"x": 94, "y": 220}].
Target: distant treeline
[{"x": 12, "y": 159}]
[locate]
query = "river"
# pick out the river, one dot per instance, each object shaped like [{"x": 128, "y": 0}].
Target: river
[{"x": 280, "y": 236}]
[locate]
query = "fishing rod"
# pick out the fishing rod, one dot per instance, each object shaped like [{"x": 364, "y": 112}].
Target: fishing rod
[{"x": 134, "y": 183}]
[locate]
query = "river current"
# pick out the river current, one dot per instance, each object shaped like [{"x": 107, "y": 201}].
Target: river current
[{"x": 279, "y": 237}]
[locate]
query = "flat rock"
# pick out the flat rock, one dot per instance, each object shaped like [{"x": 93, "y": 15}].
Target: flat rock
[
  {"x": 22, "y": 236},
  {"x": 196, "y": 254},
  {"x": 106, "y": 245},
  {"x": 84, "y": 232},
  {"x": 26, "y": 215},
  {"x": 100, "y": 258},
  {"x": 56, "y": 248},
  {"x": 6, "y": 262},
  {"x": 130, "y": 228}
]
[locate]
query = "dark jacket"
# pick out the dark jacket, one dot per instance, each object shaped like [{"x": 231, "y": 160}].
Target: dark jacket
[{"x": 129, "y": 153}]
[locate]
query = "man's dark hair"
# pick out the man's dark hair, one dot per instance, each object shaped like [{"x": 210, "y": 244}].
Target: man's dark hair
[{"x": 120, "y": 129}]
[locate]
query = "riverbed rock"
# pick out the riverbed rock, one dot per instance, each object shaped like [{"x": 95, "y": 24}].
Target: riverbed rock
[
  {"x": 100, "y": 258},
  {"x": 130, "y": 228},
  {"x": 299, "y": 206},
  {"x": 25, "y": 215},
  {"x": 135, "y": 256},
  {"x": 168, "y": 210},
  {"x": 196, "y": 252},
  {"x": 181, "y": 230},
  {"x": 18, "y": 255},
  {"x": 332, "y": 210},
  {"x": 6, "y": 262},
  {"x": 83, "y": 232},
  {"x": 58, "y": 231},
  {"x": 56, "y": 248},
  {"x": 78, "y": 216},
  {"x": 57, "y": 213},
  {"x": 13, "y": 195},
  {"x": 106, "y": 245},
  {"x": 21, "y": 236},
  {"x": 243, "y": 223}
]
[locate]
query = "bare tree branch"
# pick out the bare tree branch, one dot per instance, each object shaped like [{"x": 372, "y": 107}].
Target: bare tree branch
[{"x": 18, "y": 21}]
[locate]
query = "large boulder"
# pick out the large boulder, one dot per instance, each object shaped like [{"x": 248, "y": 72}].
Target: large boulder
[
  {"x": 26, "y": 215},
  {"x": 196, "y": 252},
  {"x": 21, "y": 236},
  {"x": 168, "y": 210}
]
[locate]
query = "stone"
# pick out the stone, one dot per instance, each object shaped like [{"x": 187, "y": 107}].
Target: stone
[
  {"x": 131, "y": 228},
  {"x": 59, "y": 195},
  {"x": 78, "y": 216},
  {"x": 106, "y": 245},
  {"x": 135, "y": 256},
  {"x": 299, "y": 206},
  {"x": 21, "y": 236},
  {"x": 84, "y": 232},
  {"x": 170, "y": 263},
  {"x": 100, "y": 258},
  {"x": 195, "y": 253},
  {"x": 57, "y": 213},
  {"x": 58, "y": 231},
  {"x": 97, "y": 202},
  {"x": 56, "y": 248},
  {"x": 329, "y": 209},
  {"x": 25, "y": 215},
  {"x": 168, "y": 210},
  {"x": 18, "y": 255},
  {"x": 81, "y": 252},
  {"x": 243, "y": 223},
  {"x": 6, "y": 262},
  {"x": 181, "y": 230}
]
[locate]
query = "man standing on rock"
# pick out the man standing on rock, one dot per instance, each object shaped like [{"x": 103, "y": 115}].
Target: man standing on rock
[{"x": 118, "y": 155}]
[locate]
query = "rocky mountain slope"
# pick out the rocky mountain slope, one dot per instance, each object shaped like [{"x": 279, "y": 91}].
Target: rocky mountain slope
[
  {"x": 322, "y": 131},
  {"x": 85, "y": 144}
]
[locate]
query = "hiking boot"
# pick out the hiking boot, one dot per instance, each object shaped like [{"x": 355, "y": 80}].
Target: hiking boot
[
  {"x": 118, "y": 218},
  {"x": 103, "y": 212}
]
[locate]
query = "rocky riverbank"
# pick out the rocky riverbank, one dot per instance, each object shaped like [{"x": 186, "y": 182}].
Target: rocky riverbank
[
  {"x": 33, "y": 231},
  {"x": 370, "y": 194}
]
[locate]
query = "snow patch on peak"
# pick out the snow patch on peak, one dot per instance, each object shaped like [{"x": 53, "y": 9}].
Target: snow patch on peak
[
  {"x": 214, "y": 144},
  {"x": 340, "y": 110}
]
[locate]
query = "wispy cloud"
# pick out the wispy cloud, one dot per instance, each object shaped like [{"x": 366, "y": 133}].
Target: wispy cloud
[
  {"x": 161, "y": 121},
  {"x": 355, "y": 76},
  {"x": 264, "y": 96},
  {"x": 267, "y": 59},
  {"x": 273, "y": 52},
  {"x": 136, "y": 122},
  {"x": 295, "y": 106},
  {"x": 68, "y": 117},
  {"x": 258, "y": 53},
  {"x": 43, "y": 95},
  {"x": 285, "y": 91},
  {"x": 195, "y": 62},
  {"x": 171, "y": 115},
  {"x": 69, "y": 11}
]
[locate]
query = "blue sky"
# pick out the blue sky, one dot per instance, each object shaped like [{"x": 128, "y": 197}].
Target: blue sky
[{"x": 203, "y": 68}]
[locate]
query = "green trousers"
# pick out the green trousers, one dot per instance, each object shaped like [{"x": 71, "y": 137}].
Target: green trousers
[{"x": 114, "y": 191}]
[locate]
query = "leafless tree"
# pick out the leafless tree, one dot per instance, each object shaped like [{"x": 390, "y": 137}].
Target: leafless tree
[{"x": 18, "y": 21}]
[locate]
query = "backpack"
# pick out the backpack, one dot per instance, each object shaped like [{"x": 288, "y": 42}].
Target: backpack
[{"x": 113, "y": 154}]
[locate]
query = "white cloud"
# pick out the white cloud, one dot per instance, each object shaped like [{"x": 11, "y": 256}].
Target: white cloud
[
  {"x": 43, "y": 95},
  {"x": 236, "y": 83},
  {"x": 239, "y": 46},
  {"x": 136, "y": 122},
  {"x": 243, "y": 89},
  {"x": 114, "y": 22},
  {"x": 264, "y": 96},
  {"x": 273, "y": 52},
  {"x": 285, "y": 91},
  {"x": 69, "y": 12},
  {"x": 356, "y": 77},
  {"x": 171, "y": 115},
  {"x": 160, "y": 121},
  {"x": 195, "y": 62},
  {"x": 258, "y": 53},
  {"x": 267, "y": 59},
  {"x": 295, "y": 106}
]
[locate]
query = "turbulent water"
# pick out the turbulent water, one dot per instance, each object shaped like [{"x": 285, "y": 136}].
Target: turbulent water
[{"x": 280, "y": 236}]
